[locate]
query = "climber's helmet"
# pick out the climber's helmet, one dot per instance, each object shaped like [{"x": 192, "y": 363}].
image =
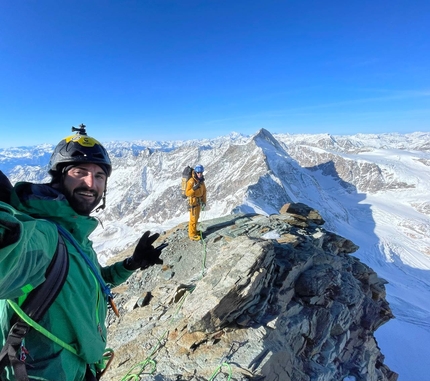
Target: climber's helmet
[
  {"x": 199, "y": 168},
  {"x": 78, "y": 149}
]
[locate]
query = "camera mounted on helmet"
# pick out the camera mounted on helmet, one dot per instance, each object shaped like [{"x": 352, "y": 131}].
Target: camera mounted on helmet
[{"x": 81, "y": 130}]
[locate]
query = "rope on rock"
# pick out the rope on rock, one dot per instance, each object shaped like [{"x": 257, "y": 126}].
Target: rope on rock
[
  {"x": 218, "y": 370},
  {"x": 137, "y": 370},
  {"x": 204, "y": 252}
]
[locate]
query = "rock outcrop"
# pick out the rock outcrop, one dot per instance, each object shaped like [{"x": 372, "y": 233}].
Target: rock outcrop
[{"x": 260, "y": 298}]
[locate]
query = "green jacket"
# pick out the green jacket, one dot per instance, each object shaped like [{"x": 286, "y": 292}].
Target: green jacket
[{"x": 78, "y": 314}]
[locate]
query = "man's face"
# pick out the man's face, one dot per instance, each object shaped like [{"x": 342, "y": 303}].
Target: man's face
[{"x": 83, "y": 187}]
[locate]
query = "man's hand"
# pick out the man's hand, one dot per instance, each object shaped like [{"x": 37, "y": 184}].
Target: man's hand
[
  {"x": 145, "y": 254},
  {"x": 196, "y": 186}
]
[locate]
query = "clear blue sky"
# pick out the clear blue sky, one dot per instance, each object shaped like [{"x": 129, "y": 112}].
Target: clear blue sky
[{"x": 184, "y": 69}]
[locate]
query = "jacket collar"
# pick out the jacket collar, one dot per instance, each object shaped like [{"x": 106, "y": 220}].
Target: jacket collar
[{"x": 43, "y": 201}]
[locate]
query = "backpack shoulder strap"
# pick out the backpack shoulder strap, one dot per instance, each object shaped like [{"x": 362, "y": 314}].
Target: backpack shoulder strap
[
  {"x": 35, "y": 306},
  {"x": 41, "y": 298}
]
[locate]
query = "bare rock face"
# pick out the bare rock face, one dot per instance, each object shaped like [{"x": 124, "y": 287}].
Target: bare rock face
[{"x": 260, "y": 298}]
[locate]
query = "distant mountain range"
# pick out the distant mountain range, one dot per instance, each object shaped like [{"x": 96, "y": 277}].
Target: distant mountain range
[{"x": 371, "y": 189}]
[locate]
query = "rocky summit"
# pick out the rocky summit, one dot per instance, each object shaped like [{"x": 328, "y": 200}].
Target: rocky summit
[{"x": 258, "y": 298}]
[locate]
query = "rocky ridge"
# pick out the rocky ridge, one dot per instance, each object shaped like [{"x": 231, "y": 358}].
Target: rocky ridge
[{"x": 259, "y": 298}]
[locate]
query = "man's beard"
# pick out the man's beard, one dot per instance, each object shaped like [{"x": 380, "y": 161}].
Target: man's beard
[{"x": 79, "y": 204}]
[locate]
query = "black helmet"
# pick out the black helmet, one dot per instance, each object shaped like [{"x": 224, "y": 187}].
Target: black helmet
[{"x": 77, "y": 149}]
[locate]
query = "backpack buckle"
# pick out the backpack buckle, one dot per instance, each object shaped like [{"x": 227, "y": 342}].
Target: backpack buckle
[{"x": 19, "y": 330}]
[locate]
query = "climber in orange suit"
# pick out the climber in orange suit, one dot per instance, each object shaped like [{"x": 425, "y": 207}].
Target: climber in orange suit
[{"x": 196, "y": 193}]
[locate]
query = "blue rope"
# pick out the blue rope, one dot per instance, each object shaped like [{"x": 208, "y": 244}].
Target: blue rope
[{"x": 105, "y": 288}]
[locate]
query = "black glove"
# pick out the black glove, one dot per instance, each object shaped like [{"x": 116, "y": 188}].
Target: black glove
[
  {"x": 196, "y": 186},
  {"x": 145, "y": 254}
]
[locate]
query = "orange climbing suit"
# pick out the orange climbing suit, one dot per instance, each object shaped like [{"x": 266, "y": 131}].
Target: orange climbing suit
[{"x": 196, "y": 198}]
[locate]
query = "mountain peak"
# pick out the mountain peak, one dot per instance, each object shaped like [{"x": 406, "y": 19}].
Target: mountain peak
[{"x": 263, "y": 134}]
